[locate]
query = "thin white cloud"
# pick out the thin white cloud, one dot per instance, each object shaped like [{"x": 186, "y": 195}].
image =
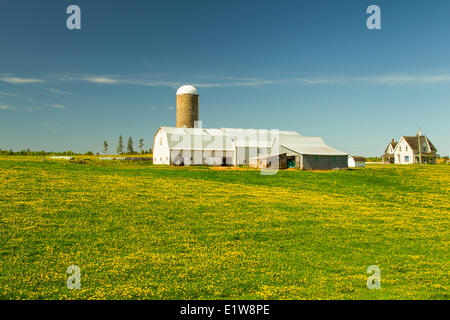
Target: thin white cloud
[
  {"x": 59, "y": 91},
  {"x": 401, "y": 79},
  {"x": 256, "y": 82},
  {"x": 5, "y": 107},
  {"x": 103, "y": 80},
  {"x": 17, "y": 80},
  {"x": 57, "y": 106},
  {"x": 16, "y": 95},
  {"x": 8, "y": 94},
  {"x": 205, "y": 81}
]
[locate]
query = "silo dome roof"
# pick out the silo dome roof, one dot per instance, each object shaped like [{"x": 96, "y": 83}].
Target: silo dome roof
[{"x": 187, "y": 89}]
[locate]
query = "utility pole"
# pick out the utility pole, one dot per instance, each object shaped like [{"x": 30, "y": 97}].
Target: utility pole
[{"x": 419, "y": 146}]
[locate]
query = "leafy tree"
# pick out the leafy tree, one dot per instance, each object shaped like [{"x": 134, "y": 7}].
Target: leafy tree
[
  {"x": 105, "y": 147},
  {"x": 141, "y": 145},
  {"x": 130, "y": 149},
  {"x": 120, "y": 146},
  {"x": 89, "y": 153}
]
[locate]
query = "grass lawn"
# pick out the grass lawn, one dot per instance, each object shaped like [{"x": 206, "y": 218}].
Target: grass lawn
[{"x": 141, "y": 231}]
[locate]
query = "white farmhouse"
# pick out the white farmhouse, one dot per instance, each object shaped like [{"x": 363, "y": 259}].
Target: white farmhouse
[{"x": 409, "y": 150}]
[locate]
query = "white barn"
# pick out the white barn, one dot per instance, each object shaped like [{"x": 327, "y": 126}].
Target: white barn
[{"x": 228, "y": 146}]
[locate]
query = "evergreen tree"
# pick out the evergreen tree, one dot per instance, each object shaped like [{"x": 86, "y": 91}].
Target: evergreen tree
[
  {"x": 120, "y": 146},
  {"x": 141, "y": 145},
  {"x": 130, "y": 149},
  {"x": 105, "y": 147}
]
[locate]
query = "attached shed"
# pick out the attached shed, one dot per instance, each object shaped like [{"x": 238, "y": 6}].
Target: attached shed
[
  {"x": 356, "y": 162},
  {"x": 311, "y": 153},
  {"x": 269, "y": 161}
]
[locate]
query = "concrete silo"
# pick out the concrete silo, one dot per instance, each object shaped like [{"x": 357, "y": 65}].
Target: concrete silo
[{"x": 187, "y": 106}]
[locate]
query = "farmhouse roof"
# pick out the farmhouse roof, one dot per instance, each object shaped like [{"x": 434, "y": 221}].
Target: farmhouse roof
[
  {"x": 394, "y": 144},
  {"x": 413, "y": 142}
]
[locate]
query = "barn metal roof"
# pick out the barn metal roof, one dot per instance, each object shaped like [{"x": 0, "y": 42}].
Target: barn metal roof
[
  {"x": 197, "y": 139},
  {"x": 310, "y": 146}
]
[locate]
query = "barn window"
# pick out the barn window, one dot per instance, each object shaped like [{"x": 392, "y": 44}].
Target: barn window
[
  {"x": 213, "y": 153},
  {"x": 316, "y": 158},
  {"x": 334, "y": 159}
]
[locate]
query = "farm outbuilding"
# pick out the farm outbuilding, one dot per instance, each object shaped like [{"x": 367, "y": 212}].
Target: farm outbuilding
[
  {"x": 311, "y": 153},
  {"x": 356, "y": 162}
]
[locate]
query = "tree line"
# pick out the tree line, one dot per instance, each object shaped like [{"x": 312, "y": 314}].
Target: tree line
[
  {"x": 130, "y": 147},
  {"x": 29, "y": 152},
  {"x": 119, "y": 150}
]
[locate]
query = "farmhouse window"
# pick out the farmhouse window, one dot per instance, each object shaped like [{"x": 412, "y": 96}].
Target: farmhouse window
[{"x": 406, "y": 158}]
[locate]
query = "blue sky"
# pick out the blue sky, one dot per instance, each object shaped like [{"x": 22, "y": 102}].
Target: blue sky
[{"x": 309, "y": 66}]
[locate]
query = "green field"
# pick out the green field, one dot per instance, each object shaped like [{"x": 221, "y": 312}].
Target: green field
[{"x": 140, "y": 231}]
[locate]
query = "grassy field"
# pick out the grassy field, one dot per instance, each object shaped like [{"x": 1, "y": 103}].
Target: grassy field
[{"x": 138, "y": 230}]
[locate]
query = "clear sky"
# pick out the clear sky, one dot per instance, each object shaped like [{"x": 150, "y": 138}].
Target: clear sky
[{"x": 308, "y": 66}]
